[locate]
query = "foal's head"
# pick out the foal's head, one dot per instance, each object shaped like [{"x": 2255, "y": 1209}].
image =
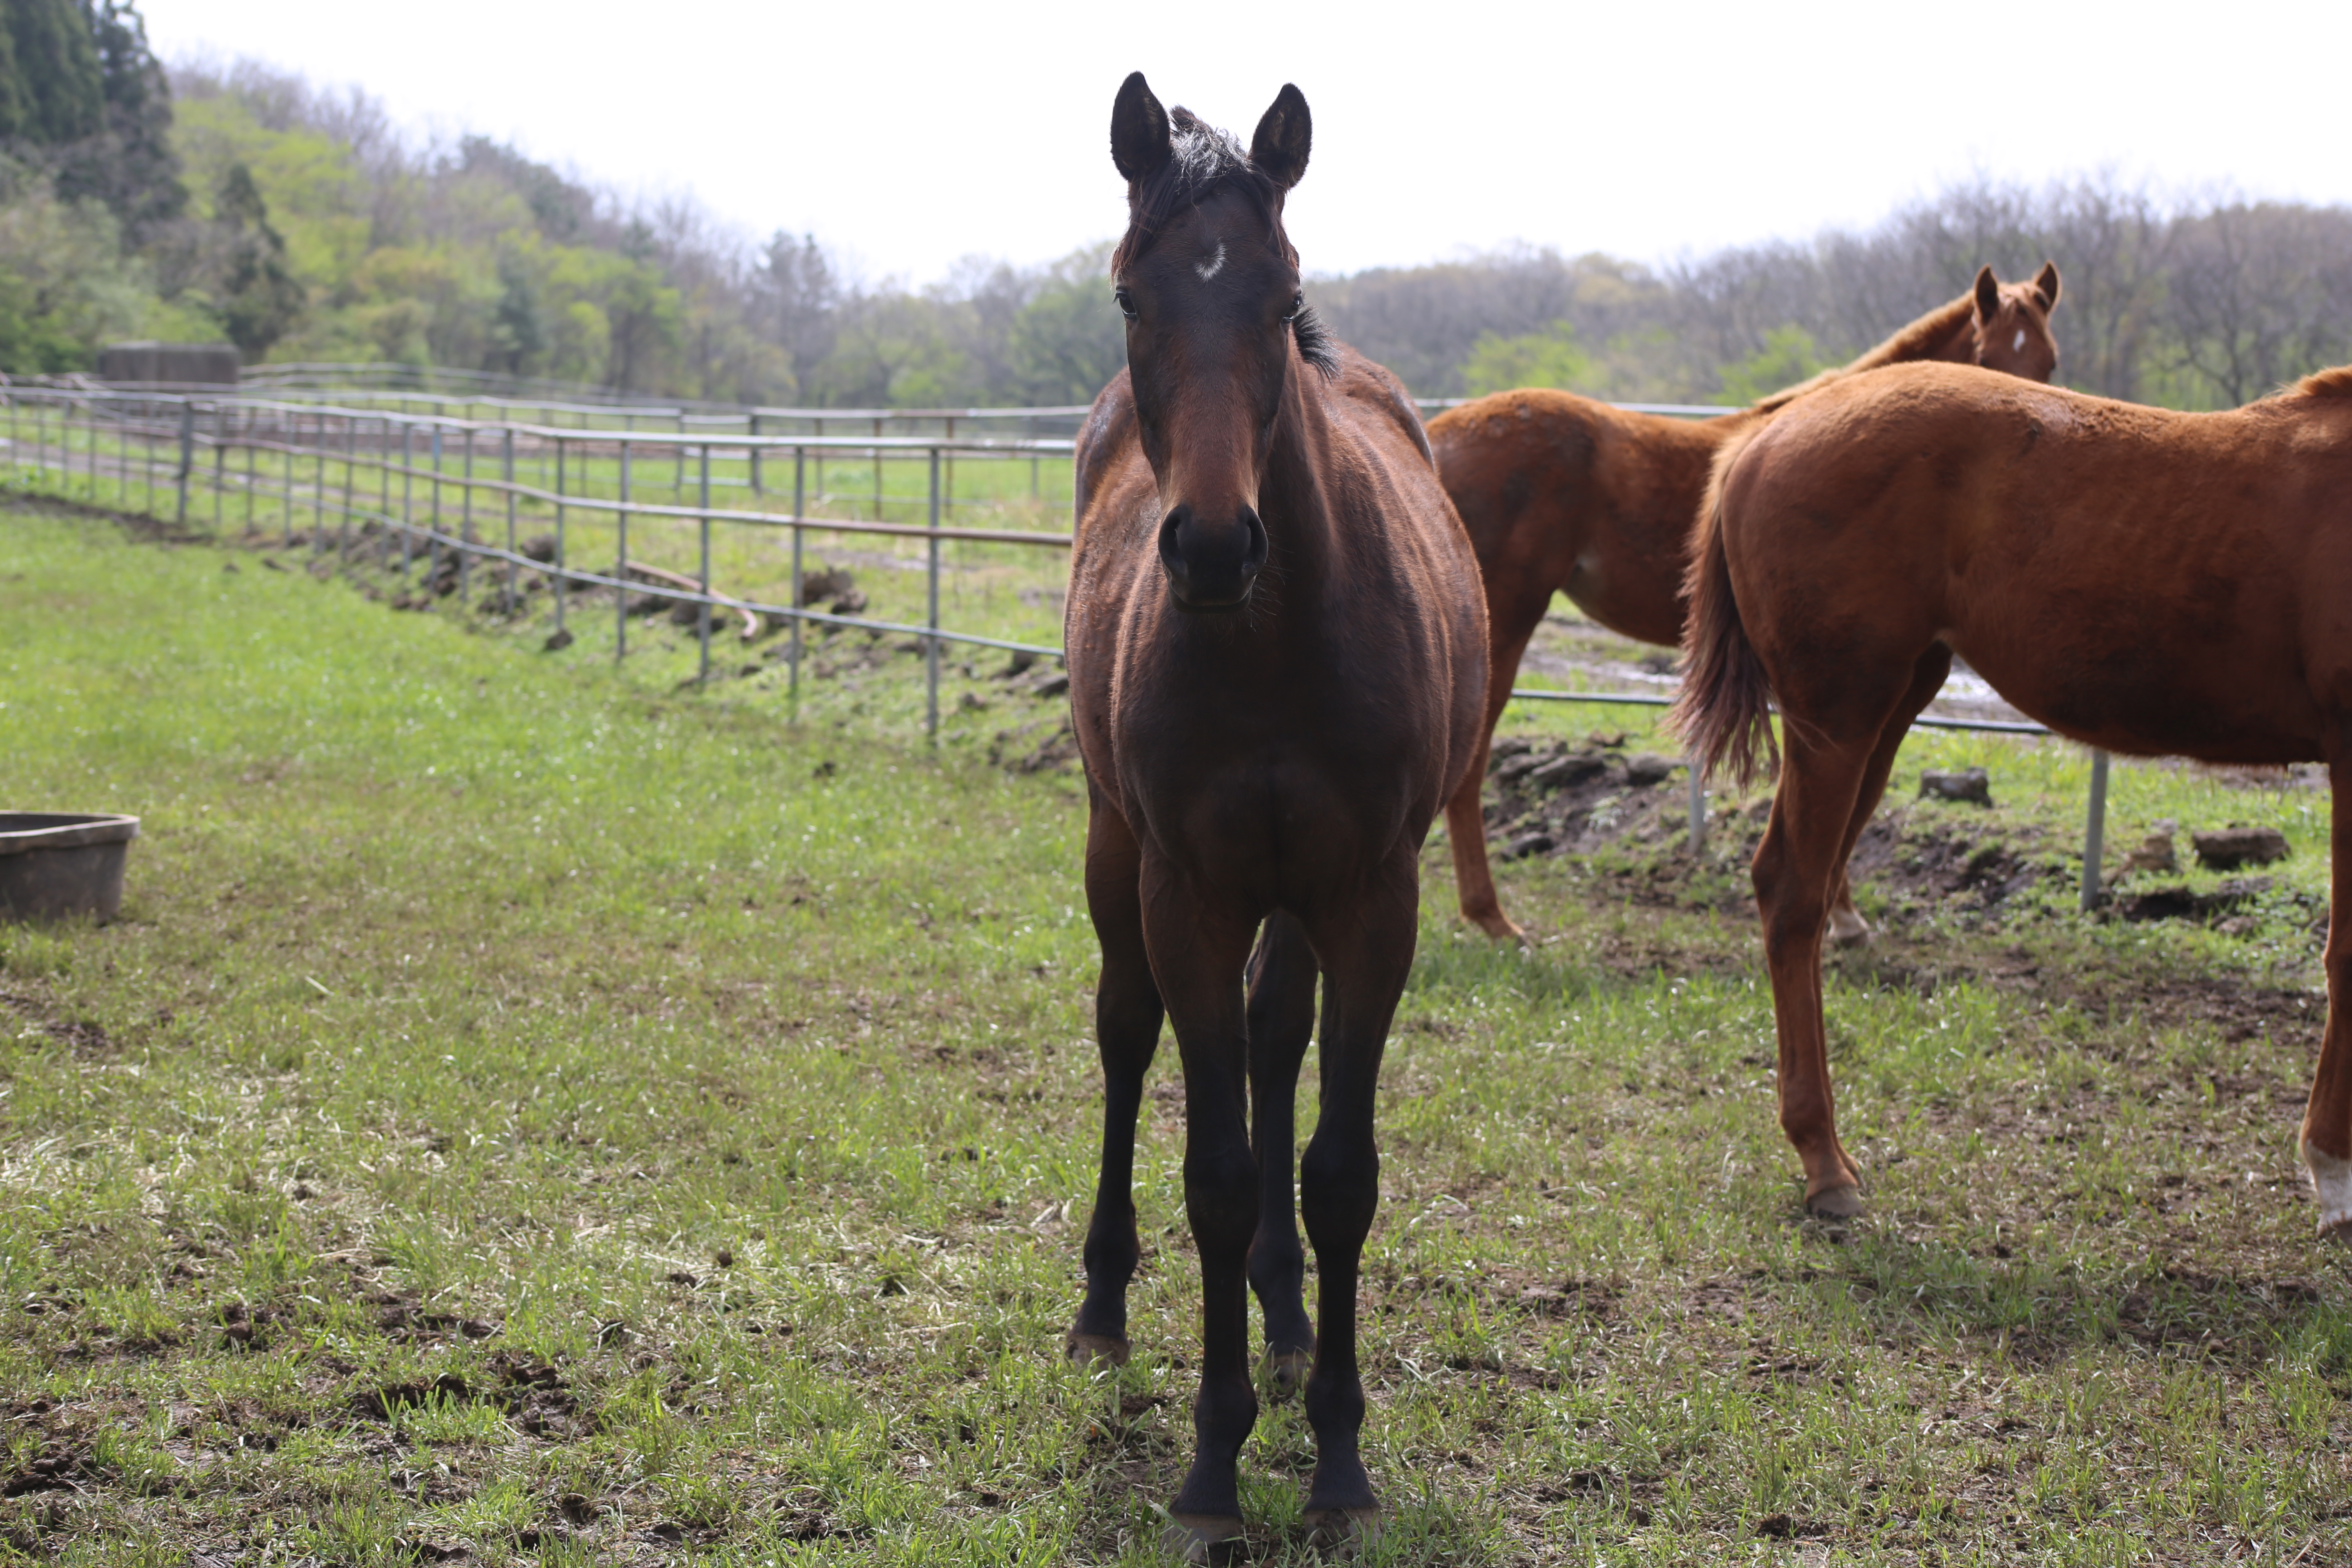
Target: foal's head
[
  {"x": 2012, "y": 323},
  {"x": 1215, "y": 325}
]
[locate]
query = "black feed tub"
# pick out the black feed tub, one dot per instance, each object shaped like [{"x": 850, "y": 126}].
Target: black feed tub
[{"x": 56, "y": 863}]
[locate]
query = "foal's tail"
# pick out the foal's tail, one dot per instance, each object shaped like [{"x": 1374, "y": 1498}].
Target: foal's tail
[{"x": 1725, "y": 709}]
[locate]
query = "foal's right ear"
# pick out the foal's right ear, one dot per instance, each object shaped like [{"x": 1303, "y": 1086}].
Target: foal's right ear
[
  {"x": 1139, "y": 131},
  {"x": 1988, "y": 294}
]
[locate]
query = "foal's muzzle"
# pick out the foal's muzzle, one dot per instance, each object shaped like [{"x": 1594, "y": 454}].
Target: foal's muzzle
[{"x": 1212, "y": 566}]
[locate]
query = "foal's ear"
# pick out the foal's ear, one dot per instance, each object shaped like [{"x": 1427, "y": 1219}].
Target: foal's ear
[
  {"x": 1139, "y": 131},
  {"x": 1279, "y": 147},
  {"x": 2045, "y": 283},
  {"x": 1988, "y": 294}
]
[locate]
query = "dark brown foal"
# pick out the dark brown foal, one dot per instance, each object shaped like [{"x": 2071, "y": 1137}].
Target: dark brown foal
[{"x": 1277, "y": 668}]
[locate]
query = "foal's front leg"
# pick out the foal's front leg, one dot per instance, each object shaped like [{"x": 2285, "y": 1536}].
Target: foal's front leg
[
  {"x": 1281, "y": 1020},
  {"x": 1366, "y": 950},
  {"x": 1198, "y": 951},
  {"x": 1126, "y": 1033}
]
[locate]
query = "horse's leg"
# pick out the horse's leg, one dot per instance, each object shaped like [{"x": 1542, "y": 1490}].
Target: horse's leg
[
  {"x": 1466, "y": 814},
  {"x": 1366, "y": 950},
  {"x": 1281, "y": 1017},
  {"x": 1847, "y": 928},
  {"x": 1127, "y": 1033},
  {"x": 2327, "y": 1118},
  {"x": 1199, "y": 950},
  {"x": 1794, "y": 869}
]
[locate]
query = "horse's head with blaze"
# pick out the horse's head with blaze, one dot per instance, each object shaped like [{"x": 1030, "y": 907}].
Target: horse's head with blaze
[
  {"x": 1216, "y": 327},
  {"x": 2012, "y": 323}
]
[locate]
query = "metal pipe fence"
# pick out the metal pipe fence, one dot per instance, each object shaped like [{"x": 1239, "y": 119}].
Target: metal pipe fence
[{"x": 149, "y": 446}]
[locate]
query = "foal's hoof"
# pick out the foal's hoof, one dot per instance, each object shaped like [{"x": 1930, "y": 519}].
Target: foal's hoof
[
  {"x": 1848, "y": 930},
  {"x": 2338, "y": 1231},
  {"x": 1085, "y": 1349},
  {"x": 1500, "y": 926},
  {"x": 1352, "y": 1529},
  {"x": 1202, "y": 1537},
  {"x": 1285, "y": 1371},
  {"x": 1834, "y": 1203}
]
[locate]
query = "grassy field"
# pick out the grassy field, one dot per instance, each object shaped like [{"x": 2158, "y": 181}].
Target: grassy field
[{"x": 536, "y": 1110}]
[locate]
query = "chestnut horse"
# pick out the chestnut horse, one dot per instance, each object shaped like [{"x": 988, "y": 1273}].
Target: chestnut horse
[
  {"x": 2146, "y": 582},
  {"x": 1562, "y": 494},
  {"x": 1277, "y": 663}
]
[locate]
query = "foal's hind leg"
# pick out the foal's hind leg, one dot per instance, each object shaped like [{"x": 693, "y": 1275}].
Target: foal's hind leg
[
  {"x": 2327, "y": 1118},
  {"x": 1794, "y": 870},
  {"x": 1127, "y": 1033},
  {"x": 1281, "y": 1017},
  {"x": 1847, "y": 928}
]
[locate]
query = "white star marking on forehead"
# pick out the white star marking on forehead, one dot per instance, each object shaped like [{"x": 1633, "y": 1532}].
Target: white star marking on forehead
[
  {"x": 2020, "y": 343},
  {"x": 1214, "y": 264}
]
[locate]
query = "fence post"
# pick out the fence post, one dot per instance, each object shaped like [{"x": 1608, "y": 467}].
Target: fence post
[
  {"x": 188, "y": 453},
  {"x": 757, "y": 488},
  {"x": 220, "y": 467},
  {"x": 620, "y": 564},
  {"x": 800, "y": 491},
  {"x": 433, "y": 531},
  {"x": 558, "y": 533},
  {"x": 1698, "y": 805},
  {"x": 407, "y": 497},
  {"x": 931, "y": 643},
  {"x": 2094, "y": 831},
  {"x": 702, "y": 620},
  {"x": 466, "y": 522},
  {"x": 350, "y": 485},
  {"x": 507, "y": 463}
]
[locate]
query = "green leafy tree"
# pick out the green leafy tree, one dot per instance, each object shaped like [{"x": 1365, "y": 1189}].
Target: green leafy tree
[
  {"x": 1788, "y": 356},
  {"x": 1549, "y": 358},
  {"x": 1069, "y": 341},
  {"x": 128, "y": 161},
  {"x": 256, "y": 298},
  {"x": 52, "y": 86}
]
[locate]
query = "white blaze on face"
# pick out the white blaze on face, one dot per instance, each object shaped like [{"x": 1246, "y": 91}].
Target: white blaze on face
[
  {"x": 2020, "y": 343},
  {"x": 1216, "y": 264},
  {"x": 2331, "y": 1183}
]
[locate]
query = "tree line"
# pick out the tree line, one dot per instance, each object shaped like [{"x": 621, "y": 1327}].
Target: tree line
[{"x": 237, "y": 202}]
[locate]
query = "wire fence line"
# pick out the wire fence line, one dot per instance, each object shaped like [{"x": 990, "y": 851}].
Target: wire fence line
[{"x": 169, "y": 452}]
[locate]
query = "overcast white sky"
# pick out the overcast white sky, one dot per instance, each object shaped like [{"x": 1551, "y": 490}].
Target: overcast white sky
[{"x": 911, "y": 133}]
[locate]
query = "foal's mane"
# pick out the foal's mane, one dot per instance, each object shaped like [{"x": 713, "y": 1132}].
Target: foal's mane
[
  {"x": 2336, "y": 382},
  {"x": 1915, "y": 342},
  {"x": 1203, "y": 160}
]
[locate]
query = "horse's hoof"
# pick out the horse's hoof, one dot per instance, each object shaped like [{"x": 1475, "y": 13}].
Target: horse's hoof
[
  {"x": 1088, "y": 1348},
  {"x": 1353, "y": 1529},
  {"x": 1500, "y": 926},
  {"x": 1848, "y": 930},
  {"x": 1202, "y": 1537},
  {"x": 1285, "y": 1371},
  {"x": 2338, "y": 1231},
  {"x": 1834, "y": 1203}
]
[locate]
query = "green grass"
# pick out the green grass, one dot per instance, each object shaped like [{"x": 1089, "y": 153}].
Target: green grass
[{"x": 533, "y": 1109}]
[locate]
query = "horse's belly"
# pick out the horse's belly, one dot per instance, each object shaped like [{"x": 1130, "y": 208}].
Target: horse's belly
[{"x": 2139, "y": 696}]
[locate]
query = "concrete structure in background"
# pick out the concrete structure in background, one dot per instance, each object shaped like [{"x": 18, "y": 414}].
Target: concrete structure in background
[{"x": 169, "y": 365}]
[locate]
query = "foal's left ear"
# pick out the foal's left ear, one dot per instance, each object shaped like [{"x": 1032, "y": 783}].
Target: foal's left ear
[
  {"x": 2045, "y": 283},
  {"x": 1279, "y": 147},
  {"x": 1988, "y": 294}
]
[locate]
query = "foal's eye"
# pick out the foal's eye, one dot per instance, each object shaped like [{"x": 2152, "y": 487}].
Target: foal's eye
[
  {"x": 1298, "y": 304},
  {"x": 1126, "y": 302}
]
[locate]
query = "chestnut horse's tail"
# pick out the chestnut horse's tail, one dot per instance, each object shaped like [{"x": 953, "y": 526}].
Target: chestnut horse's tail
[{"x": 1724, "y": 710}]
